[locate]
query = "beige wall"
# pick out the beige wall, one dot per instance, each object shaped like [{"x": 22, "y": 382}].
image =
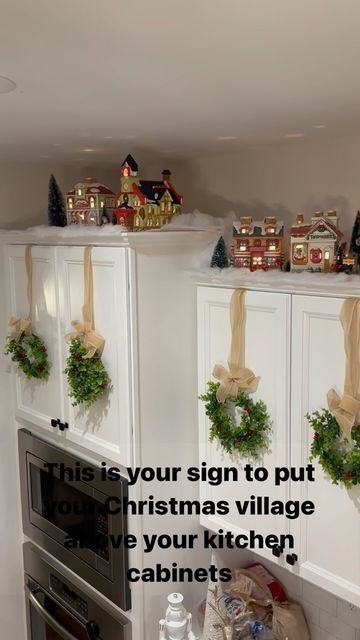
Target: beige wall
[{"x": 281, "y": 179}]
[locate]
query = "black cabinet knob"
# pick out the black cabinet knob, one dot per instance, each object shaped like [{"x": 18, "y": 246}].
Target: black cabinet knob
[
  {"x": 63, "y": 426},
  {"x": 291, "y": 558},
  {"x": 277, "y": 550},
  {"x": 55, "y": 423},
  {"x": 93, "y": 630}
]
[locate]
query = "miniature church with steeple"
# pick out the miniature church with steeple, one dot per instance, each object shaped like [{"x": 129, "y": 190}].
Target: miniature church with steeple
[{"x": 144, "y": 204}]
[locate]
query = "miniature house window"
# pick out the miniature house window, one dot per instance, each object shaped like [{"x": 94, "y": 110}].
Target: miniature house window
[
  {"x": 270, "y": 229},
  {"x": 92, "y": 219},
  {"x": 257, "y": 243},
  {"x": 169, "y": 206},
  {"x": 101, "y": 203},
  {"x": 327, "y": 255},
  {"x": 137, "y": 221},
  {"x": 126, "y": 172},
  {"x": 243, "y": 246},
  {"x": 163, "y": 206},
  {"x": 92, "y": 202},
  {"x": 315, "y": 256},
  {"x": 70, "y": 201},
  {"x": 272, "y": 246},
  {"x": 149, "y": 210},
  {"x": 299, "y": 251},
  {"x": 79, "y": 192}
]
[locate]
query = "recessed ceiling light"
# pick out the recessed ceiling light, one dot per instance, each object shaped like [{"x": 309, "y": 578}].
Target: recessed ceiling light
[
  {"x": 295, "y": 135},
  {"x": 88, "y": 150},
  {"x": 6, "y": 85},
  {"x": 319, "y": 126},
  {"x": 226, "y": 138}
]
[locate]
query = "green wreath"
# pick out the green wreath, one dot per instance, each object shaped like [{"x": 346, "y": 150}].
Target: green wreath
[
  {"x": 30, "y": 354},
  {"x": 250, "y": 438},
  {"x": 87, "y": 377},
  {"x": 341, "y": 461}
]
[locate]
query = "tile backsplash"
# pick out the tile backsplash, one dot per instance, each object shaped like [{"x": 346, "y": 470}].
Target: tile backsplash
[{"x": 328, "y": 617}]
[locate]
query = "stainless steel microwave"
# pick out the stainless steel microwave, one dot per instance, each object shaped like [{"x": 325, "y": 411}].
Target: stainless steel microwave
[{"x": 58, "y": 508}]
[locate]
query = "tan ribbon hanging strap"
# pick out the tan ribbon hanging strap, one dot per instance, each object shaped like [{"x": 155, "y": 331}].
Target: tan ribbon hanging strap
[
  {"x": 93, "y": 341},
  {"x": 345, "y": 409},
  {"x": 237, "y": 377},
  {"x": 23, "y": 325}
]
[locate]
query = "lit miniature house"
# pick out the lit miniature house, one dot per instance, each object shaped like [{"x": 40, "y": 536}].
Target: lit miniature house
[
  {"x": 313, "y": 246},
  {"x": 145, "y": 204},
  {"x": 88, "y": 202},
  {"x": 257, "y": 244}
]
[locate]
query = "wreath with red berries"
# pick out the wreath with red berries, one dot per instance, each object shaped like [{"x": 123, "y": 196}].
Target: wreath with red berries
[
  {"x": 87, "y": 377},
  {"x": 249, "y": 434},
  {"x": 340, "y": 460},
  {"x": 30, "y": 354}
]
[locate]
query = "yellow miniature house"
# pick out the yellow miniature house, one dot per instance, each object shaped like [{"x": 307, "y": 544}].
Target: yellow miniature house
[{"x": 145, "y": 204}]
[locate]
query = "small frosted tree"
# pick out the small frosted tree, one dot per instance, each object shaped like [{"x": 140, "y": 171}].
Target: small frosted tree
[
  {"x": 219, "y": 258},
  {"x": 56, "y": 205}
]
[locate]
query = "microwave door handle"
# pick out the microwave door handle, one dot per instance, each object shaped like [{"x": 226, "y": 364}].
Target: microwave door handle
[{"x": 47, "y": 617}]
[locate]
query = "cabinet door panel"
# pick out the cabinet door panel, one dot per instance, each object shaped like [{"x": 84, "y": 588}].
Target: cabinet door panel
[
  {"x": 330, "y": 539},
  {"x": 267, "y": 354},
  {"x": 106, "y": 427},
  {"x": 37, "y": 400}
]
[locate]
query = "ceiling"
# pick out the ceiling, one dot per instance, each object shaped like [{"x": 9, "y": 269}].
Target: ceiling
[{"x": 96, "y": 79}]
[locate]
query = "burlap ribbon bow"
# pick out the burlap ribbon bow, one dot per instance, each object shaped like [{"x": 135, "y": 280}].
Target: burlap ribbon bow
[
  {"x": 20, "y": 326},
  {"x": 93, "y": 341},
  {"x": 345, "y": 409},
  {"x": 237, "y": 378},
  {"x": 23, "y": 325}
]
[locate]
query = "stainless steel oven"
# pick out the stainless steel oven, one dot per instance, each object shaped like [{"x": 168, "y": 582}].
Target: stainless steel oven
[
  {"x": 64, "y": 512},
  {"x": 57, "y": 608}
]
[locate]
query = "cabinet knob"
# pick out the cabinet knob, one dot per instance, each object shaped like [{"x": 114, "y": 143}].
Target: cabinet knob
[
  {"x": 55, "y": 423},
  {"x": 291, "y": 558},
  {"x": 93, "y": 630},
  {"x": 277, "y": 551},
  {"x": 63, "y": 426}
]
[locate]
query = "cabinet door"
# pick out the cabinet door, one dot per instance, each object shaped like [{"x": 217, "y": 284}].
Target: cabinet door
[
  {"x": 106, "y": 427},
  {"x": 330, "y": 538},
  {"x": 37, "y": 400},
  {"x": 267, "y": 354}
]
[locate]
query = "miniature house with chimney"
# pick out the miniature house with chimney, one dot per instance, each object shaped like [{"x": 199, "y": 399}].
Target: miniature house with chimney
[
  {"x": 89, "y": 202},
  {"x": 313, "y": 246},
  {"x": 144, "y": 204},
  {"x": 257, "y": 244}
]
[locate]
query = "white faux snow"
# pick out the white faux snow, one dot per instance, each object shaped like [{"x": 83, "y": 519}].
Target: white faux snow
[{"x": 338, "y": 283}]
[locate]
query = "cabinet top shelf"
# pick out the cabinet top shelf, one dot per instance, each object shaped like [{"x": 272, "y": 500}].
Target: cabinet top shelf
[
  {"x": 317, "y": 284},
  {"x": 101, "y": 236}
]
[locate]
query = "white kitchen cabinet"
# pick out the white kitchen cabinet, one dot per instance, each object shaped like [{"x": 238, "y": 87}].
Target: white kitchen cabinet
[
  {"x": 106, "y": 428},
  {"x": 268, "y": 356},
  {"x": 329, "y": 540},
  {"x": 295, "y": 344},
  {"x": 37, "y": 401},
  {"x": 58, "y": 294}
]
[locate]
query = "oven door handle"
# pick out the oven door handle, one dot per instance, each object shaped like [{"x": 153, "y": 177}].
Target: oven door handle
[{"x": 54, "y": 624}]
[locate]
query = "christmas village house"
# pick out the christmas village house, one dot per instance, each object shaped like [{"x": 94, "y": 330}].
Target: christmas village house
[
  {"x": 313, "y": 246},
  {"x": 89, "y": 202},
  {"x": 257, "y": 244},
  {"x": 145, "y": 204}
]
